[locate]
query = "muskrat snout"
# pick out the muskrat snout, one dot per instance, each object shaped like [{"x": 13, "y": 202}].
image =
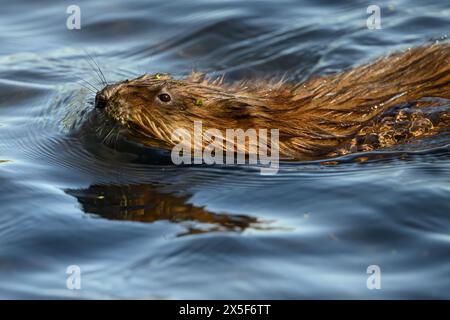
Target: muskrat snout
[
  {"x": 100, "y": 101},
  {"x": 103, "y": 97}
]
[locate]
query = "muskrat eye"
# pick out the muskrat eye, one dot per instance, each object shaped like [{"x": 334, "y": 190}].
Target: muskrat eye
[{"x": 164, "y": 97}]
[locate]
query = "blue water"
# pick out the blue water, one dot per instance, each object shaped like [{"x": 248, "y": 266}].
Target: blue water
[{"x": 155, "y": 230}]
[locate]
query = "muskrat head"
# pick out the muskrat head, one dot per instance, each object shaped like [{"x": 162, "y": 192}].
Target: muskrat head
[{"x": 151, "y": 107}]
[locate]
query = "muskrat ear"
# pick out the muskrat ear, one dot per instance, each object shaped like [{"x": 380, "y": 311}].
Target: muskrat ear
[{"x": 196, "y": 77}]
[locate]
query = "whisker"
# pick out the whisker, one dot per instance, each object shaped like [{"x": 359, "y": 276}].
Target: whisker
[
  {"x": 97, "y": 75},
  {"x": 100, "y": 74},
  {"x": 86, "y": 87},
  {"x": 88, "y": 83},
  {"x": 95, "y": 89},
  {"x": 106, "y": 140},
  {"x": 100, "y": 81},
  {"x": 106, "y": 137},
  {"x": 117, "y": 138}
]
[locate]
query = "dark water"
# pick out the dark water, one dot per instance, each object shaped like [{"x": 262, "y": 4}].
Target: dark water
[{"x": 154, "y": 230}]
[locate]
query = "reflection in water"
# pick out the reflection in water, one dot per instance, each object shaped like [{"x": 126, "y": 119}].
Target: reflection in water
[
  {"x": 385, "y": 208},
  {"x": 145, "y": 203}
]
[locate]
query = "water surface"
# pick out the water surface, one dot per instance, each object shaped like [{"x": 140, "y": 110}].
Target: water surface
[{"x": 155, "y": 230}]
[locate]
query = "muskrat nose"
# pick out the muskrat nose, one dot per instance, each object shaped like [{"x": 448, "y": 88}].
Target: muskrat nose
[{"x": 100, "y": 101}]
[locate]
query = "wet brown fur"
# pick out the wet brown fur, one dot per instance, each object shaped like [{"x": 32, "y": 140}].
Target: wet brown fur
[{"x": 325, "y": 116}]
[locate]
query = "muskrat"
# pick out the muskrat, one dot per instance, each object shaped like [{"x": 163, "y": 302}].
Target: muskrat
[{"x": 373, "y": 106}]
